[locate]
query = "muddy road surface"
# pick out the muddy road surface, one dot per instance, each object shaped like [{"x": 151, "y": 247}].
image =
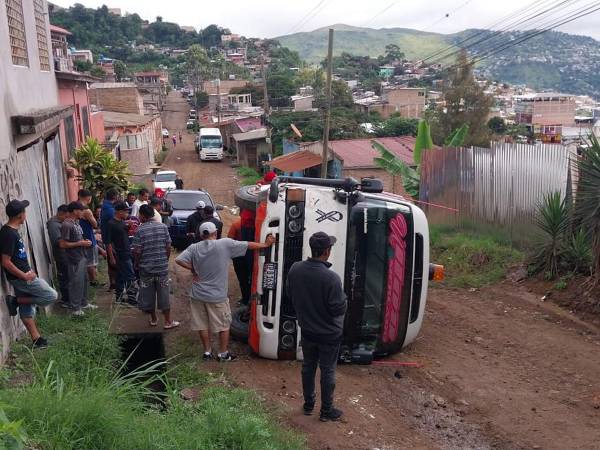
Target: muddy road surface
[{"x": 498, "y": 367}]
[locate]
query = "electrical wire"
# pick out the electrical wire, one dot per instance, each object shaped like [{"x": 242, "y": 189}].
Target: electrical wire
[
  {"x": 447, "y": 15},
  {"x": 322, "y": 4},
  {"x": 380, "y": 13}
]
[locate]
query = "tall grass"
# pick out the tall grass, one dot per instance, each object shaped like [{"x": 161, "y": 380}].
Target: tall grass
[
  {"x": 78, "y": 397},
  {"x": 471, "y": 260}
]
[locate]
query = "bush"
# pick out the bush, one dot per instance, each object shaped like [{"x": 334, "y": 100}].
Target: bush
[{"x": 471, "y": 260}]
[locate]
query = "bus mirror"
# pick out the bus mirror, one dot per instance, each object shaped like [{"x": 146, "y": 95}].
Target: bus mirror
[
  {"x": 219, "y": 208},
  {"x": 274, "y": 190}
]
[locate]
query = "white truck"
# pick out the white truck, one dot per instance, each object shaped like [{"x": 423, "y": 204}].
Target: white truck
[
  {"x": 381, "y": 255},
  {"x": 210, "y": 144}
]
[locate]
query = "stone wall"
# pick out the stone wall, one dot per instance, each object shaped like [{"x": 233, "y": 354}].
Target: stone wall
[{"x": 9, "y": 188}]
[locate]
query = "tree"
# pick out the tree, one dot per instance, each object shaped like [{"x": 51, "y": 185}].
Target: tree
[
  {"x": 98, "y": 170},
  {"x": 96, "y": 71},
  {"x": 197, "y": 66},
  {"x": 281, "y": 87},
  {"x": 393, "y": 53},
  {"x": 465, "y": 103},
  {"x": 422, "y": 142},
  {"x": 398, "y": 126},
  {"x": 587, "y": 209},
  {"x": 255, "y": 90},
  {"x": 458, "y": 137},
  {"x": 497, "y": 125},
  {"x": 389, "y": 162},
  {"x": 341, "y": 97},
  {"x": 201, "y": 99},
  {"x": 82, "y": 66},
  {"x": 211, "y": 36},
  {"x": 120, "y": 70}
]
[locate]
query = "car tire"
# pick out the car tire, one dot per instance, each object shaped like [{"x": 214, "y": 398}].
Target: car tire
[
  {"x": 245, "y": 199},
  {"x": 239, "y": 327}
]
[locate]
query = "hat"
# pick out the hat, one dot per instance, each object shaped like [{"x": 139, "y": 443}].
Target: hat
[
  {"x": 269, "y": 176},
  {"x": 121, "y": 206},
  {"x": 321, "y": 241},
  {"x": 16, "y": 207},
  {"x": 207, "y": 228},
  {"x": 200, "y": 205}
]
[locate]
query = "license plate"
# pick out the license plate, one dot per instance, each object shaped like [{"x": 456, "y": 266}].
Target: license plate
[{"x": 269, "y": 276}]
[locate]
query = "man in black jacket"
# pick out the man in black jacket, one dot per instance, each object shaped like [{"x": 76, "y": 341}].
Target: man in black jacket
[{"x": 320, "y": 304}]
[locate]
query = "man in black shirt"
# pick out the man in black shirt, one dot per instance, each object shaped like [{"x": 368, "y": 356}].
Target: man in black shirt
[
  {"x": 30, "y": 290},
  {"x": 178, "y": 182},
  {"x": 320, "y": 305},
  {"x": 119, "y": 254},
  {"x": 209, "y": 216},
  {"x": 194, "y": 221}
]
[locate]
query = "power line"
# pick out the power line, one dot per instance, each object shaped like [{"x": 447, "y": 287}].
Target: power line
[
  {"x": 309, "y": 15},
  {"x": 483, "y": 31},
  {"x": 379, "y": 13},
  {"x": 447, "y": 15}
]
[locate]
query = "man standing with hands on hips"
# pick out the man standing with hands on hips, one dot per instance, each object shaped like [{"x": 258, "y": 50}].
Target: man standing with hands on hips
[{"x": 320, "y": 305}]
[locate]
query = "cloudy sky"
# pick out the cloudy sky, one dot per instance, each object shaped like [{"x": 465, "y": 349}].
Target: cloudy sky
[{"x": 270, "y": 18}]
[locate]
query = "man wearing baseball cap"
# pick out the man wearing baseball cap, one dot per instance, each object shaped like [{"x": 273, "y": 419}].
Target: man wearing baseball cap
[
  {"x": 119, "y": 255},
  {"x": 208, "y": 260},
  {"x": 30, "y": 290},
  {"x": 194, "y": 221},
  {"x": 320, "y": 305}
]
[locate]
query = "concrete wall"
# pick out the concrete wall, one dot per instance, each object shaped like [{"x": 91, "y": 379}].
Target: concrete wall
[
  {"x": 409, "y": 102},
  {"x": 123, "y": 97},
  {"x": 21, "y": 89}
]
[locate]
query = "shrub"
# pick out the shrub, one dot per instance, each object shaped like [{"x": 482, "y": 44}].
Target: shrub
[{"x": 248, "y": 176}]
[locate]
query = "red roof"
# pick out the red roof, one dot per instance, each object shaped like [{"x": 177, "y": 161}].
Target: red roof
[
  {"x": 295, "y": 161},
  {"x": 59, "y": 30},
  {"x": 360, "y": 152},
  {"x": 248, "y": 124}
]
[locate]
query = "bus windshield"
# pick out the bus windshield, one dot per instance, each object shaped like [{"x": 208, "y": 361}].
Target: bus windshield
[
  {"x": 211, "y": 142},
  {"x": 374, "y": 248}
]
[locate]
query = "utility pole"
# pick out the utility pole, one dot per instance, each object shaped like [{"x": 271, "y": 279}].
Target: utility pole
[
  {"x": 266, "y": 102},
  {"x": 218, "y": 81},
  {"x": 327, "y": 106}
]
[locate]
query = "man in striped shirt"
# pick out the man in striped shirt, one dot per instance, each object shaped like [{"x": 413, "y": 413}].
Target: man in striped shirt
[{"x": 151, "y": 251}]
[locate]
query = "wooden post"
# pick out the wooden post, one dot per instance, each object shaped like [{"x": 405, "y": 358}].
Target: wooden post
[{"x": 327, "y": 106}]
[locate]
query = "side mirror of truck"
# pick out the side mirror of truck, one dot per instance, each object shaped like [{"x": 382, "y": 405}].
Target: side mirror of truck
[
  {"x": 371, "y": 185},
  {"x": 219, "y": 208}
]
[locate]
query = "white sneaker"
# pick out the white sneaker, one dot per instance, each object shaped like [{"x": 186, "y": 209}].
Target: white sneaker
[
  {"x": 78, "y": 313},
  {"x": 90, "y": 306}
]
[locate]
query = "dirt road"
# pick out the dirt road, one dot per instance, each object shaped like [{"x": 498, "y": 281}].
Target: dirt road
[{"x": 501, "y": 369}]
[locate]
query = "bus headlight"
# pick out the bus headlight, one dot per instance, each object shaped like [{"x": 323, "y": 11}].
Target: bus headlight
[
  {"x": 287, "y": 341},
  {"x": 294, "y": 211}
]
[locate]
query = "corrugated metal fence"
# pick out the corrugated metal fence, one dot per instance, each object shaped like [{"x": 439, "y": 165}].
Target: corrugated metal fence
[{"x": 492, "y": 188}]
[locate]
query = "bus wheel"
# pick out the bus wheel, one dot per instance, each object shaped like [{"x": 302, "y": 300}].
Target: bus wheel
[
  {"x": 246, "y": 197},
  {"x": 239, "y": 323}
]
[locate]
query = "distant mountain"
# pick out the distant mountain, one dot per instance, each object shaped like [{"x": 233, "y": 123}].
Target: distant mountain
[{"x": 553, "y": 60}]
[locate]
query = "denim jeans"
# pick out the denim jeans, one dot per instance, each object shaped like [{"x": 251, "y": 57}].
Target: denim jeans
[
  {"x": 326, "y": 357},
  {"x": 38, "y": 291},
  {"x": 125, "y": 275}
]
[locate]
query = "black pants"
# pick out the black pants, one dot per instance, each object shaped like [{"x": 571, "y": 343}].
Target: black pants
[
  {"x": 244, "y": 277},
  {"x": 62, "y": 275},
  {"x": 326, "y": 357}
]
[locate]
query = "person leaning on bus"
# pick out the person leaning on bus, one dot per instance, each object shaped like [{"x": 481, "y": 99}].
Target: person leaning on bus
[{"x": 320, "y": 305}]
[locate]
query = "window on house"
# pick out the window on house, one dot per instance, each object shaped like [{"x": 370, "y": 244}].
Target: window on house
[
  {"x": 42, "y": 35},
  {"x": 85, "y": 122},
  {"x": 421, "y": 94},
  {"x": 16, "y": 33},
  {"x": 70, "y": 135}
]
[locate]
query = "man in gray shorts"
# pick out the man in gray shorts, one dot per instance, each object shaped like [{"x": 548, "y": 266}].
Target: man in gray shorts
[
  {"x": 151, "y": 251},
  {"x": 209, "y": 262}
]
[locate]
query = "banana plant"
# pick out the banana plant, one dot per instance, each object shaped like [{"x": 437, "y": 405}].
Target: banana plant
[
  {"x": 422, "y": 142},
  {"x": 390, "y": 163},
  {"x": 457, "y": 137}
]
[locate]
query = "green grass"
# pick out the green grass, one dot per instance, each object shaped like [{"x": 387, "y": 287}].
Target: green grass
[
  {"x": 248, "y": 176},
  {"x": 72, "y": 396},
  {"x": 470, "y": 259}
]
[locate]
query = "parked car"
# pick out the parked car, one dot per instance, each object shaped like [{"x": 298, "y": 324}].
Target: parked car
[
  {"x": 165, "y": 133},
  {"x": 184, "y": 205},
  {"x": 192, "y": 114},
  {"x": 191, "y": 123},
  {"x": 164, "y": 181},
  {"x": 381, "y": 255}
]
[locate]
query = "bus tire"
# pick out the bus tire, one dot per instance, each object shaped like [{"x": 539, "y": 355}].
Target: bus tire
[{"x": 239, "y": 327}]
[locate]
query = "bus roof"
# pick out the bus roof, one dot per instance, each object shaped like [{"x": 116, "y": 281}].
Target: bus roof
[{"x": 210, "y": 132}]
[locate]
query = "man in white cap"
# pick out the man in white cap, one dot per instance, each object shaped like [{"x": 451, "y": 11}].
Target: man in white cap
[
  {"x": 194, "y": 221},
  {"x": 208, "y": 260}
]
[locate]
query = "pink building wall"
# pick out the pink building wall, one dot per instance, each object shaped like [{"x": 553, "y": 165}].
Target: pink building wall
[{"x": 75, "y": 93}]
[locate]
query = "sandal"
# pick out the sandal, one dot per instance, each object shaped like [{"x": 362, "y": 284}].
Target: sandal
[
  {"x": 153, "y": 323},
  {"x": 173, "y": 324}
]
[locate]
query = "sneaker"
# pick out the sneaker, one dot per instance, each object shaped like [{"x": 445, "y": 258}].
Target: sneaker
[
  {"x": 90, "y": 306},
  {"x": 207, "y": 356},
  {"x": 331, "y": 415},
  {"x": 11, "y": 304},
  {"x": 224, "y": 357},
  {"x": 78, "y": 313},
  {"x": 40, "y": 343},
  {"x": 308, "y": 408},
  {"x": 65, "y": 305}
]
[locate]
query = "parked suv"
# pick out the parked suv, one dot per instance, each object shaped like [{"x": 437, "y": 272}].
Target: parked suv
[
  {"x": 381, "y": 255},
  {"x": 184, "y": 205}
]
